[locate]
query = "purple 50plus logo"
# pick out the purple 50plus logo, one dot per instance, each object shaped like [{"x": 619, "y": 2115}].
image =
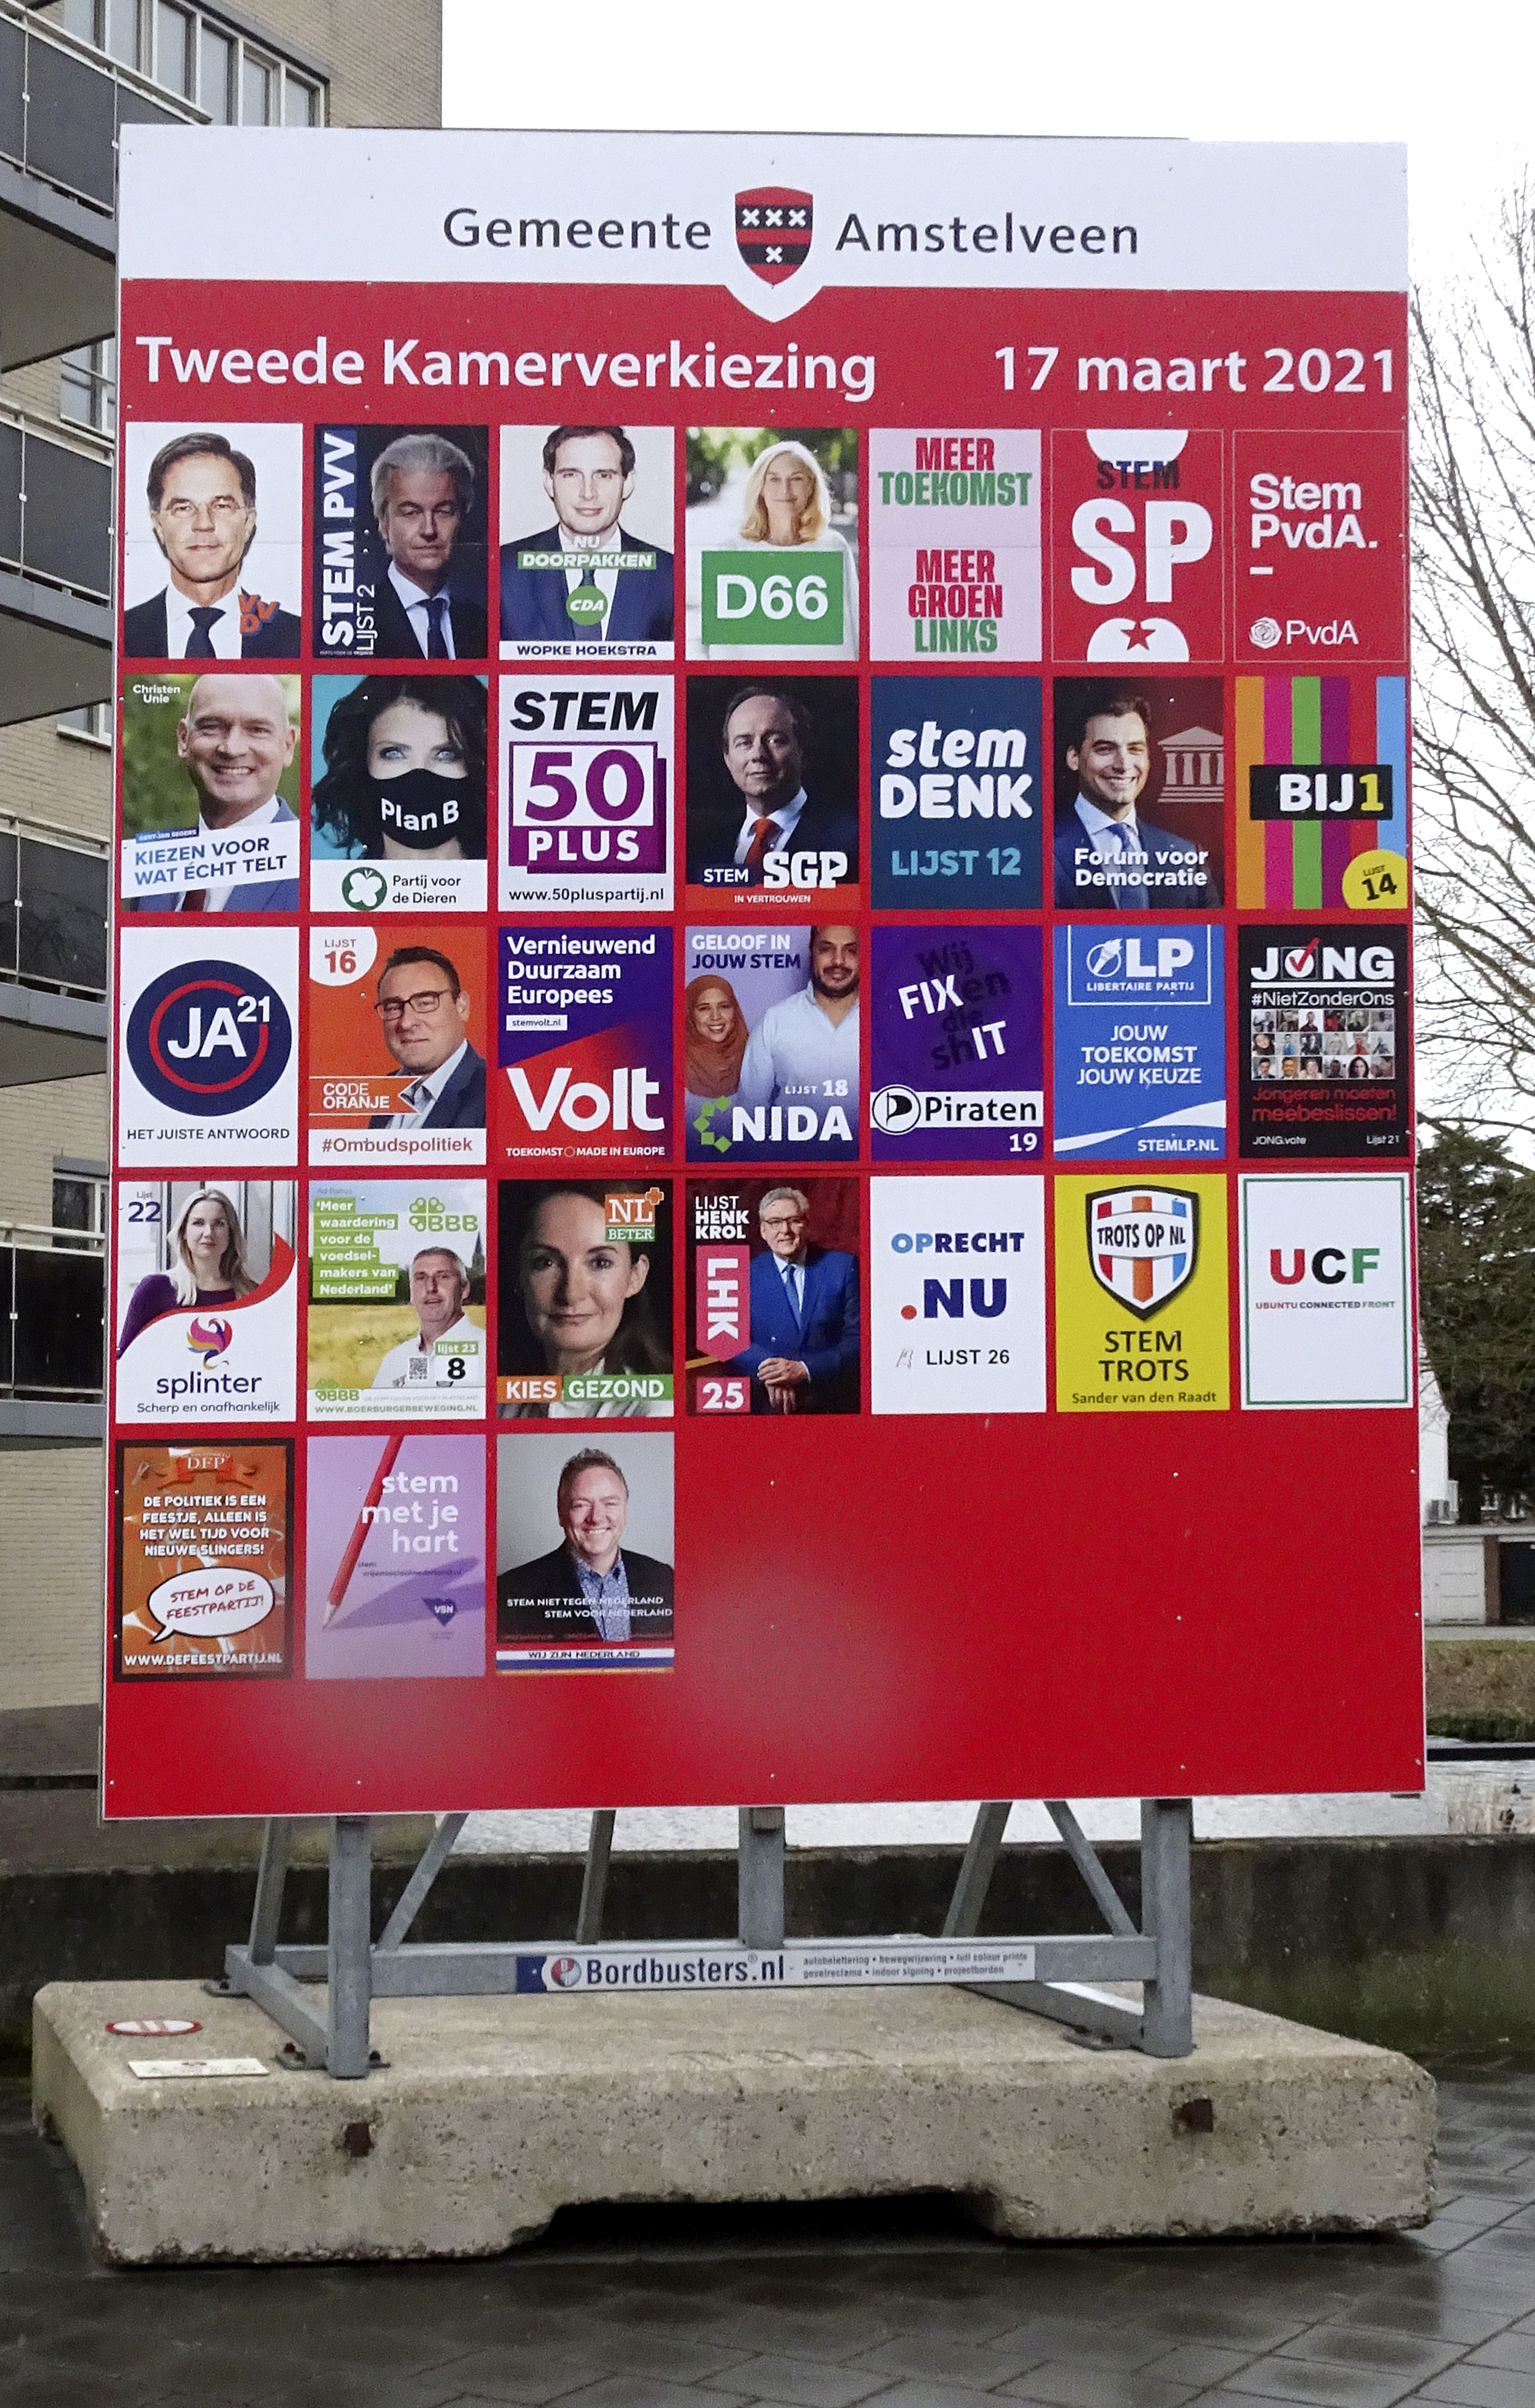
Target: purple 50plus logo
[
  {"x": 209, "y": 1036},
  {"x": 586, "y": 769}
]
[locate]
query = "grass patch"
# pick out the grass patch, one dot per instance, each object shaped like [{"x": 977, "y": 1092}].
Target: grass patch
[{"x": 1480, "y": 1726}]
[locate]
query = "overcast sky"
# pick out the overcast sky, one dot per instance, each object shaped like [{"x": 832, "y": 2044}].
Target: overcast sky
[{"x": 1453, "y": 82}]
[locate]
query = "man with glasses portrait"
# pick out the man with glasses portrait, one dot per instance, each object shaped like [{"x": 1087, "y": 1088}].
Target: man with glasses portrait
[{"x": 423, "y": 1010}]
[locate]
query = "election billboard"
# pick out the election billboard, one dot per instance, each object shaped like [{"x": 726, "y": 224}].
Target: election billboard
[{"x": 790, "y": 756}]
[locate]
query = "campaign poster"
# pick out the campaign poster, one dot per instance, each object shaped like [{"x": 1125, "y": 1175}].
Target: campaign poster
[
  {"x": 584, "y": 1322},
  {"x": 588, "y": 546},
  {"x": 1140, "y": 778},
  {"x": 774, "y": 1323},
  {"x": 394, "y": 1566},
  {"x": 584, "y": 1044},
  {"x": 1321, "y": 1041},
  {"x": 207, "y": 1064},
  {"x": 773, "y": 538},
  {"x": 1322, "y": 796},
  {"x": 1138, "y": 533},
  {"x": 584, "y": 1552},
  {"x": 1141, "y": 1296},
  {"x": 771, "y": 1019},
  {"x": 1139, "y": 1041},
  {"x": 954, "y": 536},
  {"x": 586, "y": 794},
  {"x": 958, "y": 794},
  {"x": 772, "y": 789},
  {"x": 1321, "y": 551},
  {"x": 397, "y": 1044},
  {"x": 957, "y": 1302},
  {"x": 207, "y": 1300},
  {"x": 398, "y": 812},
  {"x": 400, "y": 517},
  {"x": 397, "y": 1323},
  {"x": 204, "y": 1544},
  {"x": 956, "y": 1055},
  {"x": 210, "y": 770},
  {"x": 1326, "y": 1290},
  {"x": 212, "y": 541}
]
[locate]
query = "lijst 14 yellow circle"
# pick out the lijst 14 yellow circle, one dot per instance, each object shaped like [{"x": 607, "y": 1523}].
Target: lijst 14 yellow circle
[{"x": 1376, "y": 881}]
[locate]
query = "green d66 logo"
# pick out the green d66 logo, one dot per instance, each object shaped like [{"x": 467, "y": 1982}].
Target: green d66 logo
[{"x": 748, "y": 602}]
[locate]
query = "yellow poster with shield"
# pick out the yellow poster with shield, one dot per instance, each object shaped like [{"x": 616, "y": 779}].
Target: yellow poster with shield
[{"x": 1141, "y": 1296}]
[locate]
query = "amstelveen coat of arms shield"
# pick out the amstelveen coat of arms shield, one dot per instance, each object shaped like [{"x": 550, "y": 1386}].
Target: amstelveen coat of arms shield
[
  {"x": 773, "y": 231},
  {"x": 1142, "y": 1243}
]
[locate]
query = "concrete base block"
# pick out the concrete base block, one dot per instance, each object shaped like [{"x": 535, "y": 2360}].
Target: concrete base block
[{"x": 493, "y": 2112}]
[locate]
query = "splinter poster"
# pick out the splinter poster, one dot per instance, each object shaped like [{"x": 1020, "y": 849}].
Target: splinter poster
[{"x": 794, "y": 1082}]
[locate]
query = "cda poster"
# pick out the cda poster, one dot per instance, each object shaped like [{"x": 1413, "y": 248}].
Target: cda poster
[{"x": 762, "y": 904}]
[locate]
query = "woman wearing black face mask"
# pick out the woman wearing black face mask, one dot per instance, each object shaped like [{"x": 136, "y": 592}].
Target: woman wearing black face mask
[{"x": 405, "y": 770}]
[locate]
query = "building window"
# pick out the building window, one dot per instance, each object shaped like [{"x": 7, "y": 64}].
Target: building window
[
  {"x": 175, "y": 56},
  {"x": 80, "y": 1205},
  {"x": 88, "y": 385},
  {"x": 300, "y": 102},
  {"x": 196, "y": 55},
  {"x": 216, "y": 76},
  {"x": 90, "y": 724}
]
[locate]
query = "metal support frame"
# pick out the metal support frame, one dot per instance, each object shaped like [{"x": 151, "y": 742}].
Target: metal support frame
[
  {"x": 594, "y": 1883},
  {"x": 355, "y": 1969},
  {"x": 1163, "y": 2026},
  {"x": 759, "y": 1876}
]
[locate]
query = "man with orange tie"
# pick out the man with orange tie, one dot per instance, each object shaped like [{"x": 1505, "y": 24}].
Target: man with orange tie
[
  {"x": 769, "y": 832},
  {"x": 234, "y": 743}
]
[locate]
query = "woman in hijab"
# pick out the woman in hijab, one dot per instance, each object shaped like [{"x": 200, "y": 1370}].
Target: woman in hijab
[{"x": 715, "y": 1036}]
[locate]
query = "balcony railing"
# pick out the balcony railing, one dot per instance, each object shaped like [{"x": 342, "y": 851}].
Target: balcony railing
[
  {"x": 53, "y": 904},
  {"x": 61, "y": 108},
  {"x": 52, "y": 1298},
  {"x": 56, "y": 511}
]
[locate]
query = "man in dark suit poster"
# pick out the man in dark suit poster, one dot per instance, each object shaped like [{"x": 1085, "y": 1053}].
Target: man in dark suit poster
[
  {"x": 804, "y": 1353},
  {"x": 1106, "y": 856},
  {"x": 592, "y": 1589},
  {"x": 424, "y": 1009},
  {"x": 423, "y": 494},
  {"x": 586, "y": 578},
  {"x": 762, "y": 827},
  {"x": 202, "y": 495},
  {"x": 234, "y": 741}
]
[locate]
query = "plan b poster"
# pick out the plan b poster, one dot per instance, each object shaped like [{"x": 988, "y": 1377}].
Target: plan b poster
[{"x": 762, "y": 973}]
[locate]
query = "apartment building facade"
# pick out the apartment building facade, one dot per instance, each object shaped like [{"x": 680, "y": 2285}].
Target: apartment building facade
[{"x": 72, "y": 73}]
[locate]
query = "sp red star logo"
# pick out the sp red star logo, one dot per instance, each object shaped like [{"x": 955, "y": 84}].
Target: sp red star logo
[{"x": 773, "y": 231}]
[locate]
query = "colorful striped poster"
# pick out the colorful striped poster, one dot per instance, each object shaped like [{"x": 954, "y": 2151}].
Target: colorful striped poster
[{"x": 1334, "y": 839}]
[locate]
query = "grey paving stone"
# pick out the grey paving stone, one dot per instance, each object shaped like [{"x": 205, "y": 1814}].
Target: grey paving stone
[
  {"x": 1371, "y": 2345},
  {"x": 1442, "y": 2318},
  {"x": 1478, "y": 2387},
  {"x": 1320, "y": 2385},
  {"x": 1088, "y": 2343},
  {"x": 805, "y": 2382},
  {"x": 927, "y": 2395},
  {"x": 1199, "y": 2362},
  {"x": 641, "y": 2392},
  {"x": 527, "y": 2377},
  {"x": 1062, "y": 2384},
  {"x": 940, "y": 2360},
  {"x": 1513, "y": 2351}
]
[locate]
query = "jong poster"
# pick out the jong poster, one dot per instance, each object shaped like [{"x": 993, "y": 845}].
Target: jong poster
[{"x": 762, "y": 973}]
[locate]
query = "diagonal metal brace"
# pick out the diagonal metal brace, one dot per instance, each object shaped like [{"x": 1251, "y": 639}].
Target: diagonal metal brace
[{"x": 439, "y": 1848}]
